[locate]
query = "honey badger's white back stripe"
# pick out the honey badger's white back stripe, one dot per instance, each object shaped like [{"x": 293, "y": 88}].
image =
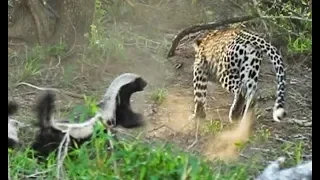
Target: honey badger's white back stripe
[
  {"x": 45, "y": 108},
  {"x": 13, "y": 131},
  {"x": 78, "y": 130},
  {"x": 110, "y": 98},
  {"x": 107, "y": 112}
]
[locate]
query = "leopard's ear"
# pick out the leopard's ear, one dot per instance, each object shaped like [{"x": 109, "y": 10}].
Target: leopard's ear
[{"x": 196, "y": 44}]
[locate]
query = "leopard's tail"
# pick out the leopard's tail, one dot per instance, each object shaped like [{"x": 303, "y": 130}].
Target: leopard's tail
[{"x": 276, "y": 59}]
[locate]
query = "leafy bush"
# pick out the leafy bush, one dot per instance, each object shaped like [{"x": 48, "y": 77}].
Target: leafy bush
[{"x": 292, "y": 19}]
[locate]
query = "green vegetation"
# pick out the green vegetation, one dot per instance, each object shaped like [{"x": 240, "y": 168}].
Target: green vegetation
[
  {"x": 293, "y": 21},
  {"x": 33, "y": 58},
  {"x": 122, "y": 32},
  {"x": 129, "y": 160},
  {"x": 132, "y": 158},
  {"x": 158, "y": 96}
]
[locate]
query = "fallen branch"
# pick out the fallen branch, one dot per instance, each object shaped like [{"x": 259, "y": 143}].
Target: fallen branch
[
  {"x": 302, "y": 123},
  {"x": 36, "y": 174},
  {"x": 62, "y": 153},
  {"x": 20, "y": 124},
  {"x": 156, "y": 128},
  {"x": 286, "y": 17},
  {"x": 200, "y": 27},
  {"x": 213, "y": 25},
  {"x": 51, "y": 89},
  {"x": 255, "y": 4}
]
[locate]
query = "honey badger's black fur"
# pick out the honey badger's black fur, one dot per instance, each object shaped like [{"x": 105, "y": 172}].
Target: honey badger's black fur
[
  {"x": 49, "y": 138},
  {"x": 12, "y": 109},
  {"x": 124, "y": 115},
  {"x": 50, "y": 135},
  {"x": 11, "y": 143}
]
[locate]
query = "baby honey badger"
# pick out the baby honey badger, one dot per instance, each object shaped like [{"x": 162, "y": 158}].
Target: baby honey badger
[
  {"x": 115, "y": 107},
  {"x": 13, "y": 139}
]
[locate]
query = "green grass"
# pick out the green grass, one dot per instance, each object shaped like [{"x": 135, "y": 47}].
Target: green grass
[
  {"x": 213, "y": 126},
  {"x": 139, "y": 159},
  {"x": 261, "y": 135},
  {"x": 129, "y": 160},
  {"x": 29, "y": 64},
  {"x": 158, "y": 96}
]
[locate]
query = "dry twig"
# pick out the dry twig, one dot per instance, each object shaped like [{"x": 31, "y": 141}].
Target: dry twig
[
  {"x": 197, "y": 132},
  {"x": 213, "y": 25},
  {"x": 287, "y": 17},
  {"x": 74, "y": 41},
  {"x": 255, "y": 4},
  {"x": 115, "y": 167},
  {"x": 303, "y": 123},
  {"x": 62, "y": 153},
  {"x": 36, "y": 174},
  {"x": 51, "y": 89}
]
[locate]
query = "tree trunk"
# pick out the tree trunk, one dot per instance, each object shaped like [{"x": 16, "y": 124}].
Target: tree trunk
[{"x": 50, "y": 21}]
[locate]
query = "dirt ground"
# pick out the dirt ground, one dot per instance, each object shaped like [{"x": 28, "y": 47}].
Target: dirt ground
[
  {"x": 169, "y": 120},
  {"x": 173, "y": 115}
]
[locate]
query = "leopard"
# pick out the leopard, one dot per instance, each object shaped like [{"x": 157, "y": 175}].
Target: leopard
[{"x": 232, "y": 56}]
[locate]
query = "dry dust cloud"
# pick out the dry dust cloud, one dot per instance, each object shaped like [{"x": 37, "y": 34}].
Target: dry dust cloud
[
  {"x": 224, "y": 146},
  {"x": 174, "y": 114}
]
